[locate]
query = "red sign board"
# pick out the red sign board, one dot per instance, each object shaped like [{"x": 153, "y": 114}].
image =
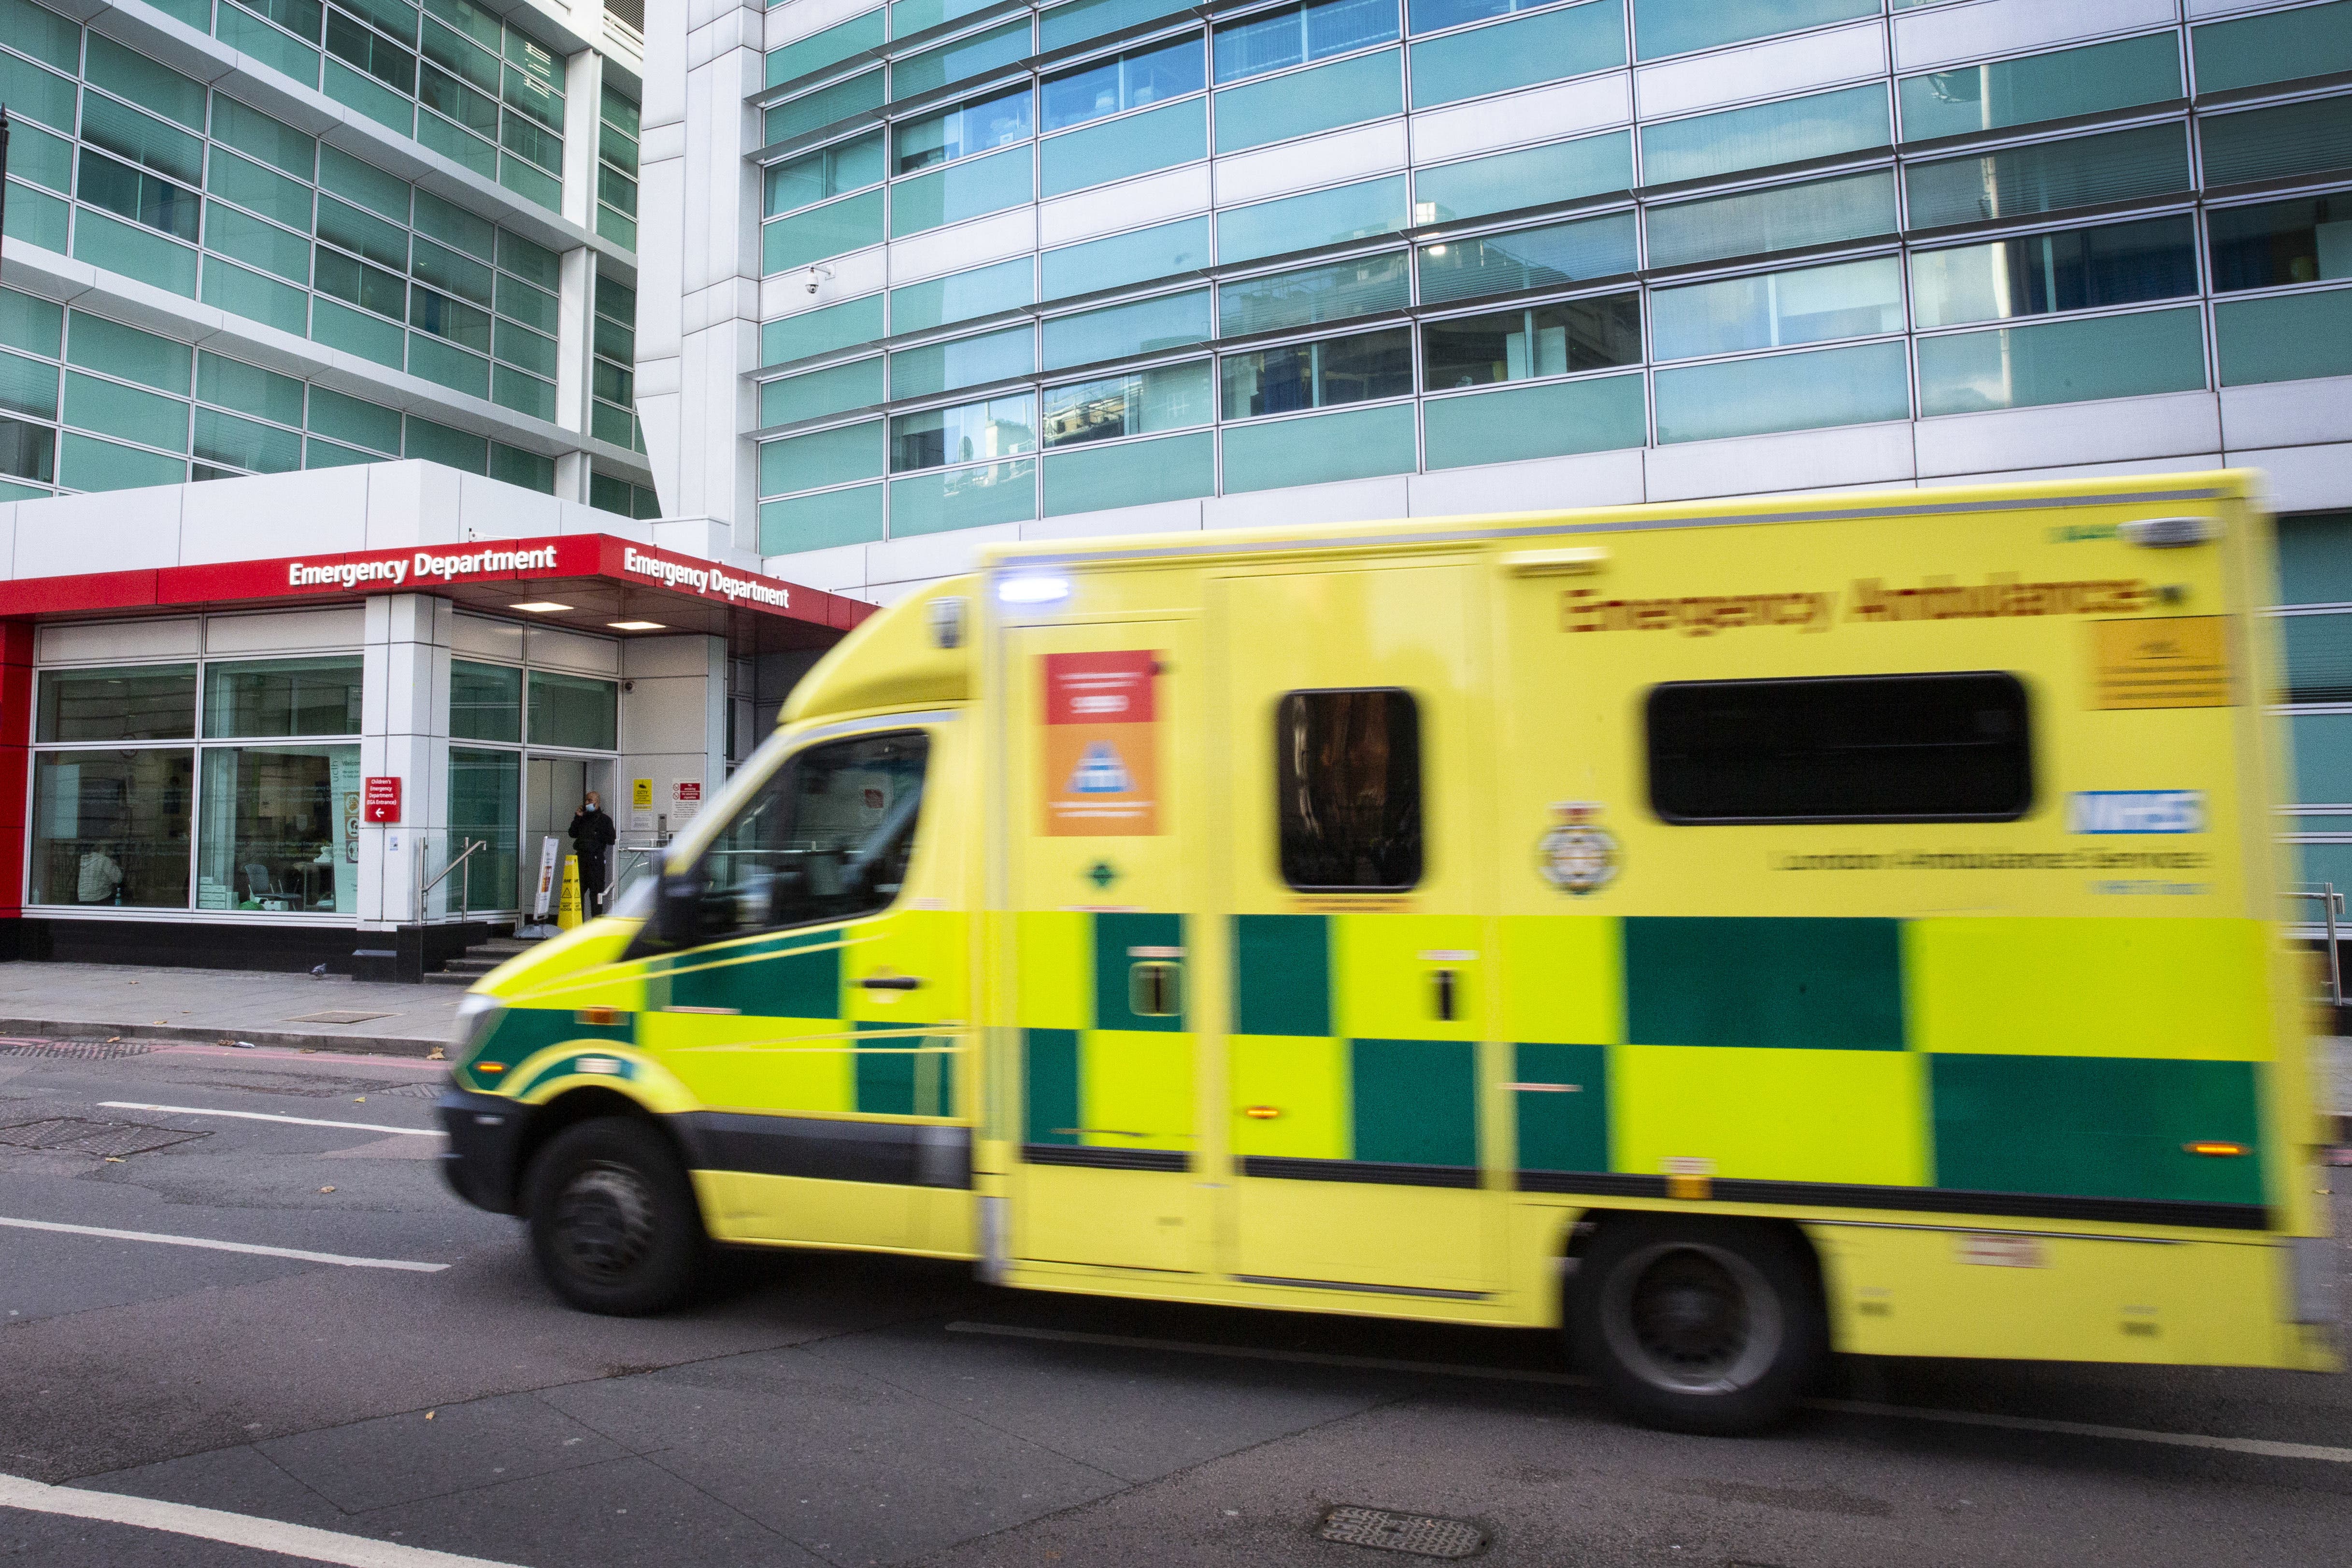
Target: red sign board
[
  {"x": 381, "y": 802},
  {"x": 1101, "y": 744}
]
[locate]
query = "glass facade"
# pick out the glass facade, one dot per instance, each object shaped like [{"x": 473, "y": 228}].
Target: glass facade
[{"x": 2039, "y": 225}]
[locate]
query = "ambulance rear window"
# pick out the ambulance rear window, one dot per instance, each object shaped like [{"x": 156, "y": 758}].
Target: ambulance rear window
[
  {"x": 1348, "y": 768},
  {"x": 1868, "y": 748}
]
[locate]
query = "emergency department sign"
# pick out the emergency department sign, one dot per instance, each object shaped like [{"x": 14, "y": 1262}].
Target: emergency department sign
[{"x": 1102, "y": 764}]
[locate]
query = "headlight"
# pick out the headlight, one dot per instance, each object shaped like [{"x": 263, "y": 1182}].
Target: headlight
[{"x": 477, "y": 1015}]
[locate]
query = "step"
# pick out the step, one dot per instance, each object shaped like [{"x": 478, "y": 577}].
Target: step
[
  {"x": 444, "y": 977},
  {"x": 471, "y": 966}
]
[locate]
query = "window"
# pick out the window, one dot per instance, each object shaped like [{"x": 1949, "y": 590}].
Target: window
[
  {"x": 1348, "y": 789},
  {"x": 485, "y": 701},
  {"x": 1789, "y": 132},
  {"x": 485, "y": 803},
  {"x": 1782, "y": 217},
  {"x": 1547, "y": 257},
  {"x": 143, "y": 197},
  {"x": 828, "y": 171},
  {"x": 1535, "y": 340},
  {"x": 1359, "y": 288},
  {"x": 1778, "y": 310},
  {"x": 2303, "y": 241},
  {"x": 281, "y": 829},
  {"x": 1151, "y": 75},
  {"x": 964, "y": 361},
  {"x": 1869, "y": 748},
  {"x": 2051, "y": 86},
  {"x": 573, "y": 710},
  {"x": 1294, "y": 35},
  {"x": 2116, "y": 264},
  {"x": 999, "y": 427},
  {"x": 1318, "y": 374},
  {"x": 827, "y": 838},
  {"x": 2050, "y": 177},
  {"x": 1671, "y": 27},
  {"x": 1142, "y": 403},
  {"x": 112, "y": 827},
  {"x": 283, "y": 697},
  {"x": 154, "y": 703},
  {"x": 1144, "y": 326},
  {"x": 960, "y": 131}
]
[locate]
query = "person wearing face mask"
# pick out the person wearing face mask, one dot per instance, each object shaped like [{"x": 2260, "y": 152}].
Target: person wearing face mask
[{"x": 592, "y": 834}]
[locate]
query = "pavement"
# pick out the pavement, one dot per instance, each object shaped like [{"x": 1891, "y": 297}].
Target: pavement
[
  {"x": 376, "y": 1361},
  {"x": 208, "y": 1006}
]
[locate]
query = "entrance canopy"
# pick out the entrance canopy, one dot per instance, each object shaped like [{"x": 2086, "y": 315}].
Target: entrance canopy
[{"x": 588, "y": 581}]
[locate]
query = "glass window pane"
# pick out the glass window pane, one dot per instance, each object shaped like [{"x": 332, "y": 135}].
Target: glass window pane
[
  {"x": 89, "y": 464},
  {"x": 143, "y": 139},
  {"x": 536, "y": 263},
  {"x": 1531, "y": 176},
  {"x": 266, "y": 191},
  {"x": 283, "y": 697},
  {"x": 960, "y": 296},
  {"x": 1313, "y": 294},
  {"x": 141, "y": 197},
  {"x": 1360, "y": 211},
  {"x": 281, "y": 829},
  {"x": 1542, "y": 47},
  {"x": 1150, "y": 75},
  {"x": 1322, "y": 449},
  {"x": 827, "y": 171},
  {"x": 236, "y": 442},
  {"x": 28, "y": 451},
  {"x": 1605, "y": 413},
  {"x": 830, "y": 47},
  {"x": 1858, "y": 386},
  {"x": 1160, "y": 251},
  {"x": 30, "y": 323},
  {"x": 1144, "y": 326},
  {"x": 1144, "y": 402},
  {"x": 978, "y": 497},
  {"x": 1300, "y": 376},
  {"x": 965, "y": 362},
  {"x": 1778, "y": 310},
  {"x": 998, "y": 427},
  {"x": 28, "y": 387},
  {"x": 2315, "y": 560},
  {"x": 251, "y": 131},
  {"x": 971, "y": 55},
  {"x": 1135, "y": 144},
  {"x": 1341, "y": 93},
  {"x": 111, "y": 827},
  {"x": 1534, "y": 341},
  {"x": 960, "y": 191},
  {"x": 2063, "y": 361},
  {"x": 485, "y": 701},
  {"x": 2082, "y": 171},
  {"x": 37, "y": 94},
  {"x": 823, "y": 330},
  {"x": 2301, "y": 241},
  {"x": 850, "y": 223},
  {"x": 485, "y": 805},
  {"x": 2054, "y": 86},
  {"x": 1348, "y": 789},
  {"x": 232, "y": 384},
  {"x": 135, "y": 78},
  {"x": 346, "y": 418},
  {"x": 445, "y": 269},
  {"x": 1784, "y": 217},
  {"x": 453, "y": 449},
  {"x": 385, "y": 244},
  {"x": 821, "y": 458},
  {"x": 2119, "y": 264},
  {"x": 1673, "y": 26},
  {"x": 798, "y": 116},
  {"x": 1138, "y": 473},
  {"x": 820, "y": 521},
  {"x": 2314, "y": 40},
  {"x": 1063, "y": 25},
  {"x": 110, "y": 408},
  {"x": 820, "y": 392},
  {"x": 149, "y": 702},
  {"x": 1542, "y": 258},
  {"x": 43, "y": 34},
  {"x": 2287, "y": 337},
  {"x": 2318, "y": 658},
  {"x": 2266, "y": 143},
  {"x": 1296, "y": 35},
  {"x": 1789, "y": 132},
  {"x": 573, "y": 710}
]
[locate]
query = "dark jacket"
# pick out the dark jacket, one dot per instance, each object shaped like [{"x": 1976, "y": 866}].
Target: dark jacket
[{"x": 592, "y": 833}]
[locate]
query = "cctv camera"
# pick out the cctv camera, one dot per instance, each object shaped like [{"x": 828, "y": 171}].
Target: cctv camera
[{"x": 817, "y": 275}]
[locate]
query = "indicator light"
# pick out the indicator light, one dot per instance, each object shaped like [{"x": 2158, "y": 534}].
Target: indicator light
[{"x": 2215, "y": 1147}]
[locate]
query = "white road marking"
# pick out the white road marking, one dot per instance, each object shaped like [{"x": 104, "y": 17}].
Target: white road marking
[
  {"x": 209, "y": 1244},
  {"x": 264, "y": 1116},
  {"x": 302, "y": 1540},
  {"x": 2264, "y": 1447}
]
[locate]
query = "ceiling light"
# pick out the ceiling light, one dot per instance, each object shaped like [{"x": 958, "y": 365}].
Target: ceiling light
[
  {"x": 539, "y": 606},
  {"x": 634, "y": 626}
]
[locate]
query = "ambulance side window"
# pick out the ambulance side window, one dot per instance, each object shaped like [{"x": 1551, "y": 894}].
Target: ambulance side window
[
  {"x": 1348, "y": 781},
  {"x": 828, "y": 838}
]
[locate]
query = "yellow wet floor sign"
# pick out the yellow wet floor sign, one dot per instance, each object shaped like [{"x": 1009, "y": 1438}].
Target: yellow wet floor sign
[{"x": 567, "y": 909}]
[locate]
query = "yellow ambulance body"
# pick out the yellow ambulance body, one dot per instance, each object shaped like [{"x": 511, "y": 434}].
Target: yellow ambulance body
[{"x": 1734, "y": 929}]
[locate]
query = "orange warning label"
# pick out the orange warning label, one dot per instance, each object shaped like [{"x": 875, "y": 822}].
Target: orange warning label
[{"x": 1102, "y": 764}]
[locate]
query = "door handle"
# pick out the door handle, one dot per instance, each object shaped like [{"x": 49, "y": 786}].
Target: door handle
[{"x": 890, "y": 982}]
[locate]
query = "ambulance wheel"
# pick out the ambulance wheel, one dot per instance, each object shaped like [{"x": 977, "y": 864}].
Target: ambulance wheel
[
  {"x": 613, "y": 1224},
  {"x": 1699, "y": 1324}
]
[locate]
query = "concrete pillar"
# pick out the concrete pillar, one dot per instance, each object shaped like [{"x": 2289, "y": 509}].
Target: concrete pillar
[
  {"x": 583, "y": 109},
  {"x": 673, "y": 729},
  {"x": 403, "y": 734}
]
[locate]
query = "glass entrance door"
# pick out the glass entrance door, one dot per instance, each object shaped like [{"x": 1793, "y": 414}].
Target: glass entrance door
[{"x": 552, "y": 790}]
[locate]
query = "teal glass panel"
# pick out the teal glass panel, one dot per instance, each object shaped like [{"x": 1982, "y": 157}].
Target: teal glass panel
[
  {"x": 450, "y": 272},
  {"x": 386, "y": 195},
  {"x": 964, "y": 361},
  {"x": 531, "y": 185},
  {"x": 1532, "y": 176},
  {"x": 1334, "y": 293},
  {"x": 961, "y": 296},
  {"x": 266, "y": 191},
  {"x": 36, "y": 94},
  {"x": 850, "y": 223},
  {"x": 1139, "y": 402},
  {"x": 2313, "y": 40},
  {"x": 249, "y": 389},
  {"x": 1084, "y": 19},
  {"x": 2284, "y": 336},
  {"x": 133, "y": 78},
  {"x": 1791, "y": 131},
  {"x": 86, "y": 463},
  {"x": 450, "y": 366},
  {"x": 28, "y": 387},
  {"x": 2054, "y": 86},
  {"x": 1320, "y": 448},
  {"x": 355, "y": 332},
  {"x": 143, "y": 139},
  {"x": 965, "y": 497},
  {"x": 1600, "y": 416},
  {"x": 197, "y": 14},
  {"x": 459, "y": 146},
  {"x": 264, "y": 245},
  {"x": 349, "y": 419},
  {"x": 515, "y": 466},
  {"x": 1159, "y": 139},
  {"x": 1527, "y": 259},
  {"x": 1112, "y": 84},
  {"x": 476, "y": 237},
  {"x": 2050, "y": 177},
  {"x": 1778, "y": 310},
  {"x": 35, "y": 219},
  {"x": 1131, "y": 473},
  {"x": 823, "y": 457},
  {"x": 382, "y": 243},
  {"x": 451, "y": 448},
  {"x": 227, "y": 440},
  {"x": 511, "y": 388},
  {"x": 31, "y": 324},
  {"x": 798, "y": 116},
  {"x": 1004, "y": 426},
  {"x": 972, "y": 56},
  {"x": 962, "y": 190},
  {"x": 2063, "y": 361},
  {"x": 1858, "y": 386},
  {"x": 1360, "y": 211},
  {"x": 2323, "y": 762},
  {"x": 41, "y": 32},
  {"x": 828, "y": 171},
  {"x": 34, "y": 155},
  {"x": 250, "y": 294},
  {"x": 534, "y": 262},
  {"x": 249, "y": 35},
  {"x": 1664, "y": 28},
  {"x": 1144, "y": 326},
  {"x": 1296, "y": 34},
  {"x": 10, "y": 490},
  {"x": 1431, "y": 16},
  {"x": 833, "y": 390},
  {"x": 2315, "y": 562},
  {"x": 821, "y": 331},
  {"x": 1542, "y": 47},
  {"x": 1785, "y": 217},
  {"x": 533, "y": 352},
  {"x": 909, "y": 17},
  {"x": 2270, "y": 144},
  {"x": 831, "y": 46},
  {"x": 97, "y": 344},
  {"x": 251, "y": 131},
  {"x": 1138, "y": 256},
  {"x": 370, "y": 97},
  {"x": 965, "y": 131},
  {"x": 2274, "y": 243},
  {"x": 111, "y": 408},
  {"x": 1366, "y": 87},
  {"x": 820, "y": 521}
]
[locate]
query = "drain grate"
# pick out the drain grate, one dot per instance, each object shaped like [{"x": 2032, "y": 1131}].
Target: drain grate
[
  {"x": 114, "y": 1138},
  {"x": 338, "y": 1017},
  {"x": 1423, "y": 1534},
  {"x": 414, "y": 1092},
  {"x": 79, "y": 1050}
]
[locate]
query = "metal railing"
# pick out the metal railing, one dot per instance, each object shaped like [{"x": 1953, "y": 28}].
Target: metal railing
[
  {"x": 2331, "y": 906},
  {"x": 465, "y": 890}
]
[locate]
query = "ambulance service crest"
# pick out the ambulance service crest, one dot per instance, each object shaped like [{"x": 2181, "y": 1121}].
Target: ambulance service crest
[{"x": 1577, "y": 855}]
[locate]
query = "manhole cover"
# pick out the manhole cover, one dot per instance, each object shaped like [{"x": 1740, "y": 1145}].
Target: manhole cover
[
  {"x": 1421, "y": 1533},
  {"x": 80, "y": 1050},
  {"x": 413, "y": 1092},
  {"x": 116, "y": 1138},
  {"x": 337, "y": 1017}
]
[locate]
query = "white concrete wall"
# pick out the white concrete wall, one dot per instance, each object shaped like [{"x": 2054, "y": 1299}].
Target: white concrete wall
[{"x": 673, "y": 726}]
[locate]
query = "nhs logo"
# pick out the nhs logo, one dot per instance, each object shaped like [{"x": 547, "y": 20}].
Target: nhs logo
[{"x": 2137, "y": 811}]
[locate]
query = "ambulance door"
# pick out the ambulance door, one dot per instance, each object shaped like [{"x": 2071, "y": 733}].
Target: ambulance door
[
  {"x": 1359, "y": 1074},
  {"x": 1104, "y": 842},
  {"x": 819, "y": 1013}
]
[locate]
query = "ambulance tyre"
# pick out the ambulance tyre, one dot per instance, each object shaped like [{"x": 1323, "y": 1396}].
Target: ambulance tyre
[
  {"x": 1699, "y": 1324},
  {"x": 614, "y": 1225}
]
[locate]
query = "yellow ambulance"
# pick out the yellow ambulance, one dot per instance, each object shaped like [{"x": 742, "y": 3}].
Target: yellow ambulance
[{"x": 1730, "y": 931}]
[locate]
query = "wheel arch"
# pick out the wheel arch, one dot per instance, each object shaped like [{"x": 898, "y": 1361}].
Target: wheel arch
[
  {"x": 571, "y": 1108},
  {"x": 1585, "y": 1227}
]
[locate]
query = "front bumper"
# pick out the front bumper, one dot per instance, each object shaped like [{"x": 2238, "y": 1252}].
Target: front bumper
[{"x": 485, "y": 1139}]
